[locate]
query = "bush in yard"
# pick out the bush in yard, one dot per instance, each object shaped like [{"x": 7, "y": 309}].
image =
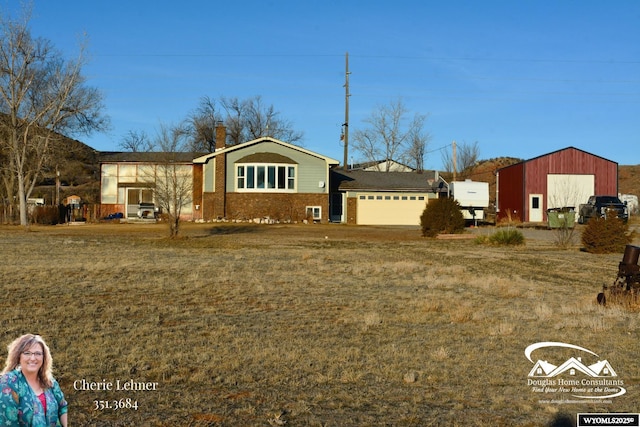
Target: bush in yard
[
  {"x": 509, "y": 236},
  {"x": 441, "y": 216},
  {"x": 606, "y": 235}
]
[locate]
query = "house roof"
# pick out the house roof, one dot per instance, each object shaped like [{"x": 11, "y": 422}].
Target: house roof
[
  {"x": 205, "y": 158},
  {"x": 145, "y": 157},
  {"x": 381, "y": 164},
  {"x": 426, "y": 181},
  {"x": 554, "y": 152}
]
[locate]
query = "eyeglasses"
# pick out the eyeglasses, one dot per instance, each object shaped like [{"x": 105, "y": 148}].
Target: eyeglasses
[{"x": 37, "y": 354}]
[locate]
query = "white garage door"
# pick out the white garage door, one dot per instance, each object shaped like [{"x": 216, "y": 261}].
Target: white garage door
[
  {"x": 569, "y": 190},
  {"x": 390, "y": 209}
]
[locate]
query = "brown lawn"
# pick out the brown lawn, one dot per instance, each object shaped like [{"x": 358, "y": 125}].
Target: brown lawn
[{"x": 314, "y": 325}]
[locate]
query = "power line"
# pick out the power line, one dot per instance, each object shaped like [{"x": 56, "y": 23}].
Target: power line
[
  {"x": 389, "y": 57},
  {"x": 438, "y": 149}
]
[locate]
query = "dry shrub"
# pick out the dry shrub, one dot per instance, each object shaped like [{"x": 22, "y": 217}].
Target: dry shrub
[
  {"x": 511, "y": 218},
  {"x": 606, "y": 235},
  {"x": 564, "y": 236},
  {"x": 503, "y": 237},
  {"x": 372, "y": 319},
  {"x": 441, "y": 353},
  {"x": 462, "y": 314}
]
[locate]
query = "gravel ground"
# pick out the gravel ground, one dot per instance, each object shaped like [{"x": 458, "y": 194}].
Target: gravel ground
[{"x": 545, "y": 235}]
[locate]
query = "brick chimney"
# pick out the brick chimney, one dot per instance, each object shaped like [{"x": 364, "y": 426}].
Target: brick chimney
[{"x": 221, "y": 136}]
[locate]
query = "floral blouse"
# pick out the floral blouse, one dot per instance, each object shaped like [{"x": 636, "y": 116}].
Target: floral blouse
[{"x": 19, "y": 405}]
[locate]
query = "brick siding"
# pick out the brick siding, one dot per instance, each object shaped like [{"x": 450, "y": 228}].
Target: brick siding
[
  {"x": 277, "y": 206},
  {"x": 352, "y": 210}
]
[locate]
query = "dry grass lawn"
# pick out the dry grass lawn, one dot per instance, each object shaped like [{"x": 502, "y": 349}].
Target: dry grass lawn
[{"x": 312, "y": 325}]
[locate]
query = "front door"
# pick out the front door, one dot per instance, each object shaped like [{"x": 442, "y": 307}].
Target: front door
[
  {"x": 335, "y": 208},
  {"x": 535, "y": 207}
]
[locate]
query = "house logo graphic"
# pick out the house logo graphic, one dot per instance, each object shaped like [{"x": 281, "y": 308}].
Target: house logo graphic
[{"x": 573, "y": 376}]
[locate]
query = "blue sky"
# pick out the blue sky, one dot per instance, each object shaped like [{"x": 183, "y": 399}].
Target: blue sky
[{"x": 522, "y": 78}]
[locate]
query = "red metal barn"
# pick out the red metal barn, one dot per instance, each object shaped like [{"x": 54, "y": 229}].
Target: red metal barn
[{"x": 563, "y": 178}]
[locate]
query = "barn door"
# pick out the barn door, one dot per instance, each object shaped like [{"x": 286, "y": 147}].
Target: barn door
[{"x": 535, "y": 207}]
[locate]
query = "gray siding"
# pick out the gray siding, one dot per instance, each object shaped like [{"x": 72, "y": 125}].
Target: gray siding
[
  {"x": 208, "y": 176},
  {"x": 310, "y": 171}
]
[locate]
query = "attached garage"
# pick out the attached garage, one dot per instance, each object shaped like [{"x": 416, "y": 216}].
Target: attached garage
[
  {"x": 385, "y": 198},
  {"x": 390, "y": 208}
]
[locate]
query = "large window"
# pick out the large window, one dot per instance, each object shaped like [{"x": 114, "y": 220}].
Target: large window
[{"x": 265, "y": 177}]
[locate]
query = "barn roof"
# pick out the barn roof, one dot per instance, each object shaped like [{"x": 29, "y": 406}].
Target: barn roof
[{"x": 555, "y": 152}]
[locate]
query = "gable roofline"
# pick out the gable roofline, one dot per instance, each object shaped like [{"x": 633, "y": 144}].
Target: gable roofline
[
  {"x": 554, "y": 152},
  {"x": 207, "y": 157}
]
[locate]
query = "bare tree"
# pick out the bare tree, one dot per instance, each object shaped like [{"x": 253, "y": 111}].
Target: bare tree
[
  {"x": 245, "y": 120},
  {"x": 251, "y": 119},
  {"x": 418, "y": 141},
  {"x": 467, "y": 155},
  {"x": 201, "y": 126},
  {"x": 387, "y": 137},
  {"x": 234, "y": 121},
  {"x": 135, "y": 141},
  {"x": 171, "y": 177},
  {"x": 42, "y": 96}
]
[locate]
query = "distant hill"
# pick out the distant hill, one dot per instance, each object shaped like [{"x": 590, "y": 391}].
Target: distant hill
[
  {"x": 629, "y": 179},
  {"x": 79, "y": 173}
]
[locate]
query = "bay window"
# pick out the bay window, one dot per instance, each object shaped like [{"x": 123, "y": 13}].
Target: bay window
[{"x": 266, "y": 177}]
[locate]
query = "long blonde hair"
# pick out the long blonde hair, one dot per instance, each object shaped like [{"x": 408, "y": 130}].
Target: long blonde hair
[{"x": 20, "y": 345}]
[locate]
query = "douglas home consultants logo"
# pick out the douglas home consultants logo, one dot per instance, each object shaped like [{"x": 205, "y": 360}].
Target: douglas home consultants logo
[{"x": 583, "y": 375}]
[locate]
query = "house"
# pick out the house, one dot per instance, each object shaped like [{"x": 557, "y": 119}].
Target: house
[
  {"x": 383, "y": 198},
  {"x": 563, "y": 178},
  {"x": 261, "y": 179},
  {"x": 268, "y": 180},
  {"x": 127, "y": 182}
]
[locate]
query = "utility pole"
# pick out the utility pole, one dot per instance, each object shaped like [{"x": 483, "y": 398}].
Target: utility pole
[
  {"x": 345, "y": 126},
  {"x": 455, "y": 166}
]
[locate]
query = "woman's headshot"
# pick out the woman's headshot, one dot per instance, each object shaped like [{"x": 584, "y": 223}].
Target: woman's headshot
[{"x": 29, "y": 394}]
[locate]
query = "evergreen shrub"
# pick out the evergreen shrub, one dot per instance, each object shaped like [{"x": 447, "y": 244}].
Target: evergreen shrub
[
  {"x": 441, "y": 216},
  {"x": 606, "y": 235}
]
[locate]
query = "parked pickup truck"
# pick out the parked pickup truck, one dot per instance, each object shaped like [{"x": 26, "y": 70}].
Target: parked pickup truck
[{"x": 601, "y": 206}]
